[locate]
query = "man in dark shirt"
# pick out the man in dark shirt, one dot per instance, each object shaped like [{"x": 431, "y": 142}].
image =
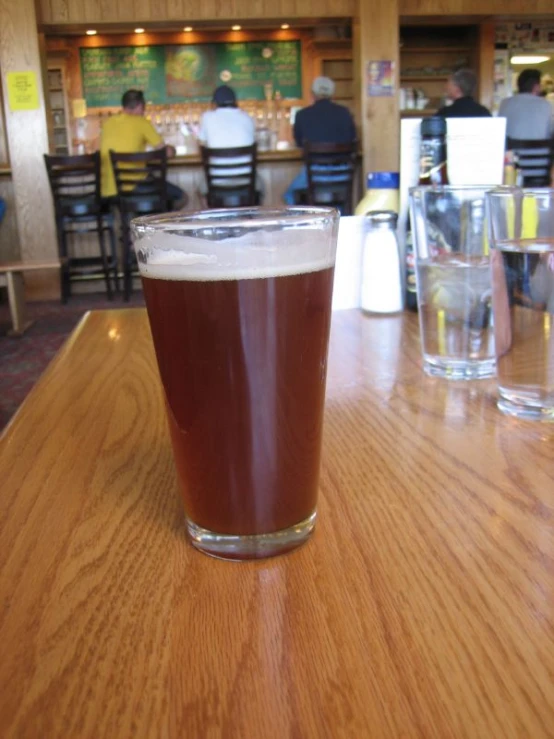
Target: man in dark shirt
[
  {"x": 323, "y": 122},
  {"x": 460, "y": 88}
]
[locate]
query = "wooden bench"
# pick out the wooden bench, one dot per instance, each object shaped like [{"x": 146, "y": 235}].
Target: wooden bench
[{"x": 11, "y": 275}]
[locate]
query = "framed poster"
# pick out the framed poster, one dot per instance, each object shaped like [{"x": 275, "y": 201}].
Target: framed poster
[{"x": 380, "y": 78}]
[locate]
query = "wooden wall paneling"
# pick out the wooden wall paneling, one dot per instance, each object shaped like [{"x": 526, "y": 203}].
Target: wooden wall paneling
[
  {"x": 28, "y": 140},
  {"x": 357, "y": 74},
  {"x": 379, "y": 41},
  {"x": 475, "y": 8},
  {"x": 485, "y": 63},
  {"x": 143, "y": 11},
  {"x": 4, "y": 154}
]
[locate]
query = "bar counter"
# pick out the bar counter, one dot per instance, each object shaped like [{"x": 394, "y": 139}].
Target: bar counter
[{"x": 421, "y": 607}]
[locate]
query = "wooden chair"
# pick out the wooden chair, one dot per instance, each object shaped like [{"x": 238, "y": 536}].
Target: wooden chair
[
  {"x": 331, "y": 169},
  {"x": 534, "y": 160},
  {"x": 230, "y": 176},
  {"x": 75, "y": 185},
  {"x": 141, "y": 190}
]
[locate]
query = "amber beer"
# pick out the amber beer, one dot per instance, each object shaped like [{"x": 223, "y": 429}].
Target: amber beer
[{"x": 243, "y": 364}]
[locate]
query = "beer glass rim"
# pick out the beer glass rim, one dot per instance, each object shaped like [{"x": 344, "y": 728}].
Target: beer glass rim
[
  {"x": 504, "y": 191},
  {"x": 452, "y": 188},
  {"x": 255, "y": 217}
]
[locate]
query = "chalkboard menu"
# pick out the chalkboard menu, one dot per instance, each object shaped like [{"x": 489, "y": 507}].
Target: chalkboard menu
[{"x": 174, "y": 74}]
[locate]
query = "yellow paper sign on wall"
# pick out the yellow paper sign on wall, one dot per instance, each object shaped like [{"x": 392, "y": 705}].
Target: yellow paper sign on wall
[{"x": 22, "y": 90}]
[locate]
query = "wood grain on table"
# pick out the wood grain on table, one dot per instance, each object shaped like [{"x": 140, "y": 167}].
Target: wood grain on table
[{"x": 422, "y": 607}]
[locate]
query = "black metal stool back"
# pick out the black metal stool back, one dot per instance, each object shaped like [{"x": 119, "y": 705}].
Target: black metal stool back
[
  {"x": 75, "y": 185},
  {"x": 331, "y": 169},
  {"x": 534, "y": 160},
  {"x": 141, "y": 184},
  {"x": 230, "y": 176}
]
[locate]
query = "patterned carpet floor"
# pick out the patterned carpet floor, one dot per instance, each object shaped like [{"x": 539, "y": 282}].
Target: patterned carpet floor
[{"x": 24, "y": 359}]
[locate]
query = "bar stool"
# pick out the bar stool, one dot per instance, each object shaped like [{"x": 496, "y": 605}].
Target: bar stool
[
  {"x": 141, "y": 190},
  {"x": 75, "y": 185},
  {"x": 330, "y": 170},
  {"x": 534, "y": 160},
  {"x": 231, "y": 176}
]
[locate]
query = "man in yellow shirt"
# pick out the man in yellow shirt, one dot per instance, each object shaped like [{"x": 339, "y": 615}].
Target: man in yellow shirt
[{"x": 129, "y": 132}]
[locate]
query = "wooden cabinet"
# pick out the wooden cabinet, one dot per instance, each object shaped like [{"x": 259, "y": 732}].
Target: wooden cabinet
[
  {"x": 428, "y": 55},
  {"x": 59, "y": 115}
]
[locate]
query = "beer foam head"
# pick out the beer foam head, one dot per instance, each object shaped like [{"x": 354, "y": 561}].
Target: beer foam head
[{"x": 224, "y": 248}]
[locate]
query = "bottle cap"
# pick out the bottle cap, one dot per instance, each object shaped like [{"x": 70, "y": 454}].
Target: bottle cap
[
  {"x": 433, "y": 126},
  {"x": 383, "y": 180},
  {"x": 382, "y": 218}
]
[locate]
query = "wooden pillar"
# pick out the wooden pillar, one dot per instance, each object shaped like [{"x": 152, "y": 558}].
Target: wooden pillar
[
  {"x": 378, "y": 39},
  {"x": 27, "y": 142},
  {"x": 486, "y": 62}
]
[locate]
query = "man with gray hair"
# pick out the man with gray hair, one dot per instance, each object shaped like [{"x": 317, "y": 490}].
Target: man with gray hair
[
  {"x": 460, "y": 88},
  {"x": 323, "y": 122}
]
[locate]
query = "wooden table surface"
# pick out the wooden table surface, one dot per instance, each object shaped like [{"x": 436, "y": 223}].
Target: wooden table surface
[{"x": 422, "y": 607}]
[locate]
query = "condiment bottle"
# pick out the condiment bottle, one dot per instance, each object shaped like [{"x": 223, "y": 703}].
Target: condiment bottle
[
  {"x": 382, "y": 193},
  {"x": 432, "y": 171},
  {"x": 381, "y": 288}
]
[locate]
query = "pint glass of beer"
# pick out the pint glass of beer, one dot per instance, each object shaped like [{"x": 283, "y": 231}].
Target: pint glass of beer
[{"x": 239, "y": 304}]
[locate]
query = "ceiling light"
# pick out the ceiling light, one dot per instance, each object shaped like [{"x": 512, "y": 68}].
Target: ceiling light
[
  {"x": 187, "y": 29},
  {"x": 284, "y": 26},
  {"x": 531, "y": 59},
  {"x": 235, "y": 28},
  {"x": 91, "y": 32},
  {"x": 139, "y": 30}
]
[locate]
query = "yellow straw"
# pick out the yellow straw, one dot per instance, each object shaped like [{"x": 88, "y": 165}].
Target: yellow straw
[{"x": 441, "y": 332}]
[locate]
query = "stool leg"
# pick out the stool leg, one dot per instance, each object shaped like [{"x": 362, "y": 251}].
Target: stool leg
[
  {"x": 16, "y": 300},
  {"x": 111, "y": 236},
  {"x": 127, "y": 277},
  {"x": 100, "y": 229},
  {"x": 65, "y": 287},
  {"x": 65, "y": 268}
]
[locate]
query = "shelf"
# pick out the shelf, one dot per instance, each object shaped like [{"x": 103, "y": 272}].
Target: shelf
[
  {"x": 424, "y": 78},
  {"x": 55, "y": 89},
  {"x": 334, "y": 43},
  {"x": 410, "y": 113},
  {"x": 438, "y": 49}
]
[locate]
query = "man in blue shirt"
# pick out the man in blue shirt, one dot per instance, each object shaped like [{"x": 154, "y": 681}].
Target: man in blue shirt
[{"x": 323, "y": 122}]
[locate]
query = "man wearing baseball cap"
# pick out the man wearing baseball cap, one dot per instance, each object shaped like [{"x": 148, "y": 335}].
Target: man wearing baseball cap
[
  {"x": 323, "y": 122},
  {"x": 226, "y": 127}
]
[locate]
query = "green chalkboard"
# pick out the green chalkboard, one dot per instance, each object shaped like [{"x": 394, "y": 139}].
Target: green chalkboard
[
  {"x": 108, "y": 71},
  {"x": 249, "y": 66},
  {"x": 173, "y": 74}
]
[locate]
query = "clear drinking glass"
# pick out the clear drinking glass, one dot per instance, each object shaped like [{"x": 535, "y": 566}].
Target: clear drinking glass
[
  {"x": 239, "y": 304},
  {"x": 452, "y": 265},
  {"x": 521, "y": 223}
]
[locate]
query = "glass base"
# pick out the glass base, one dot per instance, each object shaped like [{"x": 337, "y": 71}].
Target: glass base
[
  {"x": 252, "y": 546},
  {"x": 525, "y": 411},
  {"x": 459, "y": 369}
]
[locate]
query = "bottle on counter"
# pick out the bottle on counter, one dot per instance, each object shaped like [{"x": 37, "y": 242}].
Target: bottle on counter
[
  {"x": 381, "y": 288},
  {"x": 381, "y": 194},
  {"x": 432, "y": 171}
]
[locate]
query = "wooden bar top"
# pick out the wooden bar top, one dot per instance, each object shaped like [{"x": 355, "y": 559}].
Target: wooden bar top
[{"x": 422, "y": 607}]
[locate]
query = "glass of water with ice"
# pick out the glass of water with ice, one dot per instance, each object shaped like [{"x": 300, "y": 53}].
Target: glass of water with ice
[{"x": 454, "y": 295}]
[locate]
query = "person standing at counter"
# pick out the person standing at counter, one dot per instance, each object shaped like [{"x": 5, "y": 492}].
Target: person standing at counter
[
  {"x": 323, "y": 122},
  {"x": 528, "y": 115},
  {"x": 460, "y": 89},
  {"x": 129, "y": 132}
]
